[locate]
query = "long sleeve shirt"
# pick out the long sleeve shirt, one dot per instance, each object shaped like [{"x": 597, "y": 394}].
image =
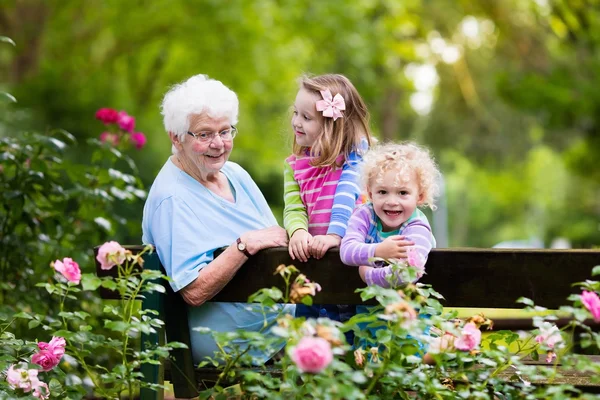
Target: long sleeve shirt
[
  {"x": 321, "y": 199},
  {"x": 363, "y": 236}
]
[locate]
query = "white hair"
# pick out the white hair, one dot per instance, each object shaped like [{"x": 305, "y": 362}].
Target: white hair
[{"x": 197, "y": 95}]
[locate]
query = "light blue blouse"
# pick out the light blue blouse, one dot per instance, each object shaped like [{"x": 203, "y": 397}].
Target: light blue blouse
[{"x": 186, "y": 223}]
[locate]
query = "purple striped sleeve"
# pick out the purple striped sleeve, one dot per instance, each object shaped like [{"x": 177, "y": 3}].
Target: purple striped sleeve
[
  {"x": 354, "y": 250},
  {"x": 417, "y": 231}
]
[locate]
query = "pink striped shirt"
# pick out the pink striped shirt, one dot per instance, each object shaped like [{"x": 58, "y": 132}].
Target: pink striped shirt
[{"x": 317, "y": 190}]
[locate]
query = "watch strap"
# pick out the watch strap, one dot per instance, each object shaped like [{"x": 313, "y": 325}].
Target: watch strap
[{"x": 244, "y": 249}]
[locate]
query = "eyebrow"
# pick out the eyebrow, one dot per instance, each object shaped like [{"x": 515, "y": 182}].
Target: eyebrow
[{"x": 204, "y": 128}]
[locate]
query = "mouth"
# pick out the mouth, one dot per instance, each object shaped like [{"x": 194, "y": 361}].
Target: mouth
[
  {"x": 392, "y": 213},
  {"x": 215, "y": 157},
  {"x": 300, "y": 133}
]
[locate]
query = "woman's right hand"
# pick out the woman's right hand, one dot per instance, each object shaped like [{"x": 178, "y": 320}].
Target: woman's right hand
[
  {"x": 274, "y": 236},
  {"x": 393, "y": 247},
  {"x": 299, "y": 245}
]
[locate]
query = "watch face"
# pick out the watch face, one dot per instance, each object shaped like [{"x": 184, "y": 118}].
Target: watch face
[{"x": 241, "y": 246}]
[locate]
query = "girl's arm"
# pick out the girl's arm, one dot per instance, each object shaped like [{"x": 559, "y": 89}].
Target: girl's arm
[
  {"x": 418, "y": 232},
  {"x": 346, "y": 193},
  {"x": 354, "y": 250},
  {"x": 294, "y": 211}
]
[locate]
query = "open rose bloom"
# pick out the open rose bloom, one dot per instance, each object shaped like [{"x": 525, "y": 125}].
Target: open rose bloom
[
  {"x": 50, "y": 354},
  {"x": 27, "y": 381},
  {"x": 312, "y": 354},
  {"x": 111, "y": 254},
  {"x": 69, "y": 269},
  {"x": 591, "y": 301}
]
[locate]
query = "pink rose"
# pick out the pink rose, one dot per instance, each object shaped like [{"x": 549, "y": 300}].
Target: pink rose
[
  {"x": 41, "y": 390},
  {"x": 69, "y": 269},
  {"x": 312, "y": 354},
  {"x": 56, "y": 346},
  {"x": 138, "y": 139},
  {"x": 591, "y": 301},
  {"x": 441, "y": 343},
  {"x": 107, "y": 115},
  {"x": 110, "y": 254},
  {"x": 107, "y": 137},
  {"x": 415, "y": 259},
  {"x": 46, "y": 359},
  {"x": 469, "y": 339},
  {"x": 549, "y": 335},
  {"x": 126, "y": 122},
  {"x": 20, "y": 378}
]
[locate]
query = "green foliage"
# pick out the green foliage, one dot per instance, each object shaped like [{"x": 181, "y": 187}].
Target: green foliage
[
  {"x": 117, "y": 375},
  {"x": 512, "y": 89},
  {"x": 399, "y": 355},
  {"x": 52, "y": 206}
]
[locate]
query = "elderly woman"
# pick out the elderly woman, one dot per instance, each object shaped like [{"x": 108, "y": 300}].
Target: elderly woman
[{"x": 200, "y": 202}]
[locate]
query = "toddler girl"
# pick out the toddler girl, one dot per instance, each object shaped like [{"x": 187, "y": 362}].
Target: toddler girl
[
  {"x": 331, "y": 133},
  {"x": 399, "y": 178}
]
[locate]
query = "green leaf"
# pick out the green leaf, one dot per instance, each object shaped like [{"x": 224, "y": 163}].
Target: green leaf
[
  {"x": 6, "y": 39},
  {"x": 55, "y": 386},
  {"x": 307, "y": 301},
  {"x": 90, "y": 282},
  {"x": 9, "y": 96},
  {"x": 23, "y": 315},
  {"x": 33, "y": 323},
  {"x": 526, "y": 301},
  {"x": 109, "y": 284},
  {"x": 596, "y": 270},
  {"x": 117, "y": 326}
]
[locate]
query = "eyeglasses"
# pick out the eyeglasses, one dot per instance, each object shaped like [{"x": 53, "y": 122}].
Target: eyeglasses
[{"x": 226, "y": 135}]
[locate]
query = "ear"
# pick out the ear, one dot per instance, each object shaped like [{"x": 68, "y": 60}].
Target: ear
[
  {"x": 370, "y": 194},
  {"x": 175, "y": 140},
  {"x": 421, "y": 198}
]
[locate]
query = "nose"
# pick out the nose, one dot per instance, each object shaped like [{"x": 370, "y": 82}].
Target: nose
[
  {"x": 295, "y": 121},
  {"x": 213, "y": 143},
  {"x": 393, "y": 201}
]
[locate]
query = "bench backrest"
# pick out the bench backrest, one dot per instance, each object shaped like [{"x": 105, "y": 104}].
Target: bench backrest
[{"x": 467, "y": 277}]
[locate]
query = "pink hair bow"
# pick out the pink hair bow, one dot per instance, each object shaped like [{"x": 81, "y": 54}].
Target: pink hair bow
[{"x": 331, "y": 106}]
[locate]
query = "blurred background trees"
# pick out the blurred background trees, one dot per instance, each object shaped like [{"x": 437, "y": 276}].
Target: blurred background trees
[{"x": 503, "y": 92}]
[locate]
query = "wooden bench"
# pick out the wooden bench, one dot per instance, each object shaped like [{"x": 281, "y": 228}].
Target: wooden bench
[{"x": 466, "y": 277}]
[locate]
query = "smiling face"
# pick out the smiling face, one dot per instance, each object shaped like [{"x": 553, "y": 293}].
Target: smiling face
[
  {"x": 204, "y": 159},
  {"x": 307, "y": 122},
  {"x": 394, "y": 200}
]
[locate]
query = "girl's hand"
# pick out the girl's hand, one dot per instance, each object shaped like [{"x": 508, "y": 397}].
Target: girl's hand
[
  {"x": 321, "y": 243},
  {"x": 299, "y": 245},
  {"x": 393, "y": 247},
  {"x": 362, "y": 271}
]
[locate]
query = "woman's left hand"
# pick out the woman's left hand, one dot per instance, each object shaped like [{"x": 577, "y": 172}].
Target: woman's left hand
[{"x": 321, "y": 243}]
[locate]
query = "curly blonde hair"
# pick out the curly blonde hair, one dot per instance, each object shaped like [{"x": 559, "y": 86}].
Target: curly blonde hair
[
  {"x": 343, "y": 135},
  {"x": 403, "y": 158}
]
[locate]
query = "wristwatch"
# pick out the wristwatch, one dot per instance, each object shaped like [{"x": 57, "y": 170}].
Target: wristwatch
[{"x": 241, "y": 246}]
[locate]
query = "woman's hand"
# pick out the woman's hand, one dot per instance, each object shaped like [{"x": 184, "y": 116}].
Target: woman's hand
[
  {"x": 321, "y": 243},
  {"x": 261, "y": 239},
  {"x": 300, "y": 245},
  {"x": 393, "y": 247}
]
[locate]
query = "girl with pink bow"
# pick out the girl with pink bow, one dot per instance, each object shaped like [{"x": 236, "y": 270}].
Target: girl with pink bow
[{"x": 331, "y": 134}]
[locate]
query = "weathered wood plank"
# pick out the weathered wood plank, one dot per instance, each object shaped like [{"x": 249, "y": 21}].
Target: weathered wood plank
[{"x": 486, "y": 278}]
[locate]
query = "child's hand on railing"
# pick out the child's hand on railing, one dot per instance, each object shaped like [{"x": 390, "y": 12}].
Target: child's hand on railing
[
  {"x": 321, "y": 243},
  {"x": 299, "y": 245}
]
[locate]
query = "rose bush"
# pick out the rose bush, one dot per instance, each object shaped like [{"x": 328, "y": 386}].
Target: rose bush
[
  {"x": 121, "y": 129},
  {"x": 24, "y": 361},
  {"x": 421, "y": 351}
]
